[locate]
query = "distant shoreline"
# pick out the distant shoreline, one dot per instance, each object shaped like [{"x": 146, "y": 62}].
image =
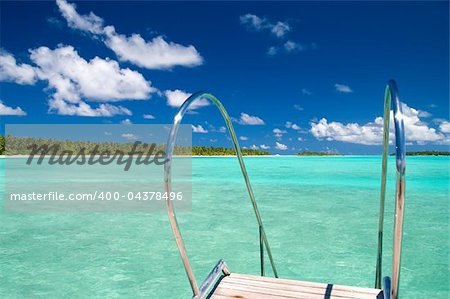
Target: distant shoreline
[{"x": 268, "y": 156}]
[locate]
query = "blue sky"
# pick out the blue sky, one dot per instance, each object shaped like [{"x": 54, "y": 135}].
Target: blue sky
[{"x": 295, "y": 75}]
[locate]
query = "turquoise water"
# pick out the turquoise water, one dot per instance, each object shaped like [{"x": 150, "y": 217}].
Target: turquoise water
[{"x": 320, "y": 214}]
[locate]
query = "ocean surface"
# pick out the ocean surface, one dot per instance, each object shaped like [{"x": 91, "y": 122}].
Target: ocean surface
[{"x": 320, "y": 215}]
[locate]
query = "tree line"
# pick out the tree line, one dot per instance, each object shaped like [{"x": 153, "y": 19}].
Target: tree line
[{"x": 12, "y": 145}]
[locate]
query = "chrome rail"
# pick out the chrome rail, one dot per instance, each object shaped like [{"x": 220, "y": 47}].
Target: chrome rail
[
  {"x": 387, "y": 287},
  {"x": 167, "y": 180},
  {"x": 392, "y": 100},
  {"x": 220, "y": 269}
]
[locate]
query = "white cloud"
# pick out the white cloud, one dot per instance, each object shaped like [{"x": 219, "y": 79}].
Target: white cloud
[
  {"x": 278, "y": 133},
  {"x": 280, "y": 146},
  {"x": 83, "y": 109},
  {"x": 250, "y": 120},
  {"x": 424, "y": 113},
  {"x": 280, "y": 29},
  {"x": 306, "y": 92},
  {"x": 148, "y": 116},
  {"x": 372, "y": 133},
  {"x": 126, "y": 121},
  {"x": 291, "y": 46},
  {"x": 222, "y": 129},
  {"x": 291, "y": 125},
  {"x": 253, "y": 22},
  {"x": 243, "y": 138},
  {"x": 89, "y": 23},
  {"x": 288, "y": 47},
  {"x": 72, "y": 80},
  {"x": 129, "y": 136},
  {"x": 343, "y": 88},
  {"x": 11, "y": 71},
  {"x": 199, "y": 129},
  {"x": 298, "y": 107},
  {"x": 254, "y": 147},
  {"x": 272, "y": 51},
  {"x": 154, "y": 54},
  {"x": 263, "y": 146},
  {"x": 300, "y": 139},
  {"x": 445, "y": 127},
  {"x": 175, "y": 98},
  {"x": 98, "y": 79},
  {"x": 6, "y": 110}
]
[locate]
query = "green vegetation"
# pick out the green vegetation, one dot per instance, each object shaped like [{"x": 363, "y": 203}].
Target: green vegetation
[
  {"x": 308, "y": 153},
  {"x": 21, "y": 146},
  {"x": 2, "y": 145},
  {"x": 223, "y": 151},
  {"x": 428, "y": 153}
]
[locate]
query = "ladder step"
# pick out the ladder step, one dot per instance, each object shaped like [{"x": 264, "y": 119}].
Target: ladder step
[{"x": 250, "y": 286}]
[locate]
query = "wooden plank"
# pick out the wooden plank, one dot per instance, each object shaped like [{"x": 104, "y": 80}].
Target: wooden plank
[
  {"x": 348, "y": 293},
  {"x": 256, "y": 287},
  {"x": 304, "y": 283},
  {"x": 222, "y": 293}
]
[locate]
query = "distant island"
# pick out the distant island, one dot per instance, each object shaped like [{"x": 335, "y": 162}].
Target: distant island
[
  {"x": 309, "y": 153},
  {"x": 224, "y": 151},
  {"x": 20, "y": 146},
  {"x": 426, "y": 153}
]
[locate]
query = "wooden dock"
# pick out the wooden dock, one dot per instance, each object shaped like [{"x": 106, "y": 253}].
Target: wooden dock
[{"x": 257, "y": 287}]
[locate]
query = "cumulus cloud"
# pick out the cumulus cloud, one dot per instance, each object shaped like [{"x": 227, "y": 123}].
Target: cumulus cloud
[
  {"x": 89, "y": 23},
  {"x": 250, "y": 120},
  {"x": 424, "y": 114},
  {"x": 306, "y": 92},
  {"x": 98, "y": 79},
  {"x": 81, "y": 108},
  {"x": 126, "y": 121},
  {"x": 278, "y": 133},
  {"x": 280, "y": 29},
  {"x": 291, "y": 125},
  {"x": 175, "y": 98},
  {"x": 222, "y": 129},
  {"x": 11, "y": 71},
  {"x": 154, "y": 54},
  {"x": 255, "y": 23},
  {"x": 263, "y": 146},
  {"x": 129, "y": 136},
  {"x": 444, "y": 127},
  {"x": 243, "y": 138},
  {"x": 372, "y": 133},
  {"x": 280, "y": 146},
  {"x": 291, "y": 46},
  {"x": 254, "y": 147},
  {"x": 343, "y": 88},
  {"x": 6, "y": 110},
  {"x": 272, "y": 51},
  {"x": 199, "y": 129},
  {"x": 72, "y": 80},
  {"x": 148, "y": 116}
]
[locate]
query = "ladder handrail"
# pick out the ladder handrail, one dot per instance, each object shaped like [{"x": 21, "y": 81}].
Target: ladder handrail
[
  {"x": 392, "y": 100},
  {"x": 167, "y": 180}
]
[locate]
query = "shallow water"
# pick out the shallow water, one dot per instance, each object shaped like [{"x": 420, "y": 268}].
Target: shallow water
[{"x": 320, "y": 214}]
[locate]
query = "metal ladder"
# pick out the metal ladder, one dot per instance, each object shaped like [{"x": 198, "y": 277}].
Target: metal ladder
[{"x": 390, "y": 289}]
